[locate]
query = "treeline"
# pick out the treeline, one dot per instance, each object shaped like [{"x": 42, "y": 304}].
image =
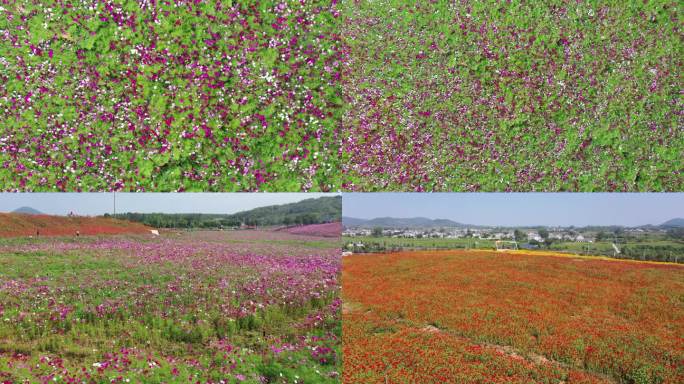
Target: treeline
[
  {"x": 673, "y": 253},
  {"x": 310, "y": 211},
  {"x": 389, "y": 248},
  {"x": 670, "y": 253},
  {"x": 179, "y": 220}
]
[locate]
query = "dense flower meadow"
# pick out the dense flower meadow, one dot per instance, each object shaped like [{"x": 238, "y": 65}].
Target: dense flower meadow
[
  {"x": 199, "y": 307},
  {"x": 169, "y": 95},
  {"x": 484, "y": 317},
  {"x": 324, "y": 230},
  {"x": 16, "y": 225},
  {"x": 515, "y": 95}
]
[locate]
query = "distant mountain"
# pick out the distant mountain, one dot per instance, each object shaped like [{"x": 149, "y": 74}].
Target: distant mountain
[
  {"x": 352, "y": 222},
  {"x": 27, "y": 211},
  {"x": 423, "y": 222},
  {"x": 678, "y": 222},
  {"x": 392, "y": 222}
]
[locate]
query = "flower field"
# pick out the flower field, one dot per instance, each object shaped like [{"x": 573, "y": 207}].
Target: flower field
[
  {"x": 486, "y": 317},
  {"x": 516, "y": 95},
  {"x": 165, "y": 95},
  {"x": 15, "y": 225},
  {"x": 324, "y": 230},
  {"x": 188, "y": 307}
]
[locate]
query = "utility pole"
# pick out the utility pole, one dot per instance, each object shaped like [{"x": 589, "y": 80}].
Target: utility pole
[{"x": 115, "y": 204}]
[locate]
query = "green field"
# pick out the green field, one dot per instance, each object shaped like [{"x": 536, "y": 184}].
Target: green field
[{"x": 654, "y": 248}]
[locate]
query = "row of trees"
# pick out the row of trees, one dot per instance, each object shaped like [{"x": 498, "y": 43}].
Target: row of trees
[
  {"x": 163, "y": 220},
  {"x": 670, "y": 253}
]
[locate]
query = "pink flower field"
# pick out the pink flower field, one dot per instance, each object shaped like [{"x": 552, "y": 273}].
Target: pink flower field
[{"x": 200, "y": 307}]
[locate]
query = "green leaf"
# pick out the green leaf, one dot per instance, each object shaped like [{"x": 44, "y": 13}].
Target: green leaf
[
  {"x": 88, "y": 42},
  {"x": 146, "y": 167},
  {"x": 269, "y": 56}
]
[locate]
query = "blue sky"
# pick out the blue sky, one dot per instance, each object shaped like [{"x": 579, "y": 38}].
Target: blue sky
[
  {"x": 100, "y": 203},
  {"x": 511, "y": 209}
]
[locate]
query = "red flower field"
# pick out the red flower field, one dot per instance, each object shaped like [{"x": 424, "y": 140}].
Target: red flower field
[
  {"x": 13, "y": 225},
  {"x": 483, "y": 317}
]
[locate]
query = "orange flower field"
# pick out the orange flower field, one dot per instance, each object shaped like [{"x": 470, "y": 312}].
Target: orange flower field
[{"x": 492, "y": 317}]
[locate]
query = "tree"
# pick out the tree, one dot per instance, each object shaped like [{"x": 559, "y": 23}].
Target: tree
[
  {"x": 520, "y": 235},
  {"x": 544, "y": 233},
  {"x": 376, "y": 232},
  {"x": 600, "y": 236}
]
